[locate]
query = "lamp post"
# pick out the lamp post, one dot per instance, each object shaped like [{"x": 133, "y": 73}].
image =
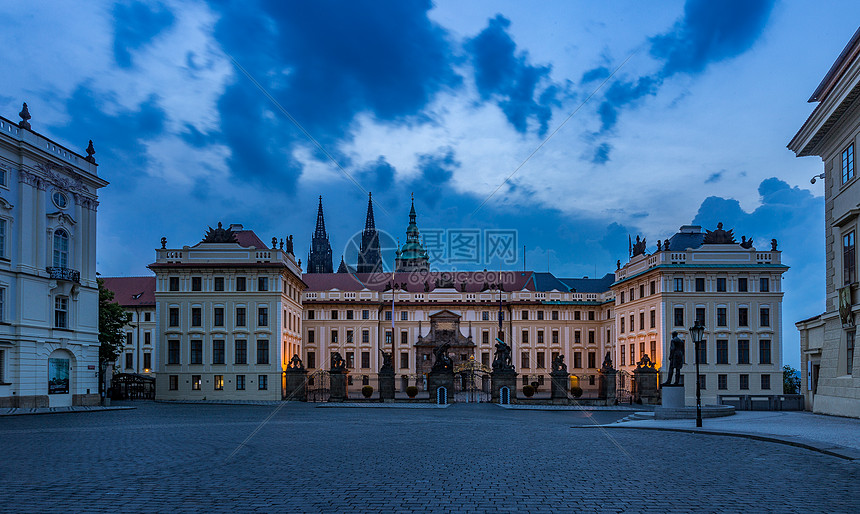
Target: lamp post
[{"x": 696, "y": 332}]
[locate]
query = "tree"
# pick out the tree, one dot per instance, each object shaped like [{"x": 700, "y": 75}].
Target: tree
[
  {"x": 112, "y": 319},
  {"x": 790, "y": 380}
]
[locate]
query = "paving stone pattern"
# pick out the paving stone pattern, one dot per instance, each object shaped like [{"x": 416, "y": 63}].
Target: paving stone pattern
[{"x": 466, "y": 458}]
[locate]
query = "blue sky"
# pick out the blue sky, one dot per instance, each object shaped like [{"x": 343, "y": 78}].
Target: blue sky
[{"x": 651, "y": 115}]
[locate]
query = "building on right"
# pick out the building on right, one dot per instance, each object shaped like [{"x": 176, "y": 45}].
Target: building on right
[{"x": 829, "y": 367}]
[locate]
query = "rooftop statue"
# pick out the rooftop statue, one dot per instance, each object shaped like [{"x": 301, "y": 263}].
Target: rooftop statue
[
  {"x": 746, "y": 243},
  {"x": 220, "y": 235},
  {"x": 638, "y": 247},
  {"x": 719, "y": 236}
]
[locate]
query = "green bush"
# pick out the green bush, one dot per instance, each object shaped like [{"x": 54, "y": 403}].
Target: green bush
[
  {"x": 528, "y": 391},
  {"x": 367, "y": 391},
  {"x": 576, "y": 391},
  {"x": 412, "y": 391}
]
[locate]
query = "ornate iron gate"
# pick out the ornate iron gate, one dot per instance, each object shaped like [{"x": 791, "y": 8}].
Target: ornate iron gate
[
  {"x": 319, "y": 386},
  {"x": 624, "y": 386},
  {"x": 471, "y": 382}
]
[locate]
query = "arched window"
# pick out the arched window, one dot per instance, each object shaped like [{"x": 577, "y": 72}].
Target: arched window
[{"x": 61, "y": 249}]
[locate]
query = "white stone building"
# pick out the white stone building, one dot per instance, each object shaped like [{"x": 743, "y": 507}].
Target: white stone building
[
  {"x": 48, "y": 292},
  {"x": 228, "y": 317},
  {"x": 830, "y": 367}
]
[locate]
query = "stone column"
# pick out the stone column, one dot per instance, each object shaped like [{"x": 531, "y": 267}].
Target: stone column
[
  {"x": 296, "y": 384},
  {"x": 607, "y": 386},
  {"x": 386, "y": 384},
  {"x": 337, "y": 386},
  {"x": 646, "y": 384},
  {"x": 560, "y": 383},
  {"x": 500, "y": 379},
  {"x": 437, "y": 379}
]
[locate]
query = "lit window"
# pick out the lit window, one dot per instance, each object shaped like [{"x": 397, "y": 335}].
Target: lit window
[
  {"x": 219, "y": 382},
  {"x": 195, "y": 382}
]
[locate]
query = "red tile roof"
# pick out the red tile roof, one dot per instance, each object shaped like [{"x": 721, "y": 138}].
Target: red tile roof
[
  {"x": 132, "y": 291},
  {"x": 248, "y": 238},
  {"x": 475, "y": 281}
]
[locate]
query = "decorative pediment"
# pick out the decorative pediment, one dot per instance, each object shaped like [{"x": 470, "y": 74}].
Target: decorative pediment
[
  {"x": 62, "y": 217},
  {"x": 71, "y": 182},
  {"x": 5, "y": 204}
]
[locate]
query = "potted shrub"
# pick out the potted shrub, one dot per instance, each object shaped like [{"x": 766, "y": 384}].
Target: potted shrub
[
  {"x": 528, "y": 391},
  {"x": 576, "y": 391},
  {"x": 367, "y": 391},
  {"x": 412, "y": 391}
]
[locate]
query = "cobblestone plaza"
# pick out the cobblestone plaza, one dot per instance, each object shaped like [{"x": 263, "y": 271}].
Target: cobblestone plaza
[{"x": 464, "y": 458}]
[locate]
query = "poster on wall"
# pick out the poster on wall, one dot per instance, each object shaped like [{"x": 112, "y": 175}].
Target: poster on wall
[{"x": 58, "y": 376}]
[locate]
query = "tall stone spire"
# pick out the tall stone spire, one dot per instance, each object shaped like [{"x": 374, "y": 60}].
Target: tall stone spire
[
  {"x": 369, "y": 257},
  {"x": 413, "y": 256},
  {"x": 319, "y": 256}
]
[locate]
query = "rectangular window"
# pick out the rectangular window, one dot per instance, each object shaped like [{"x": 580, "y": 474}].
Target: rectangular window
[
  {"x": 240, "y": 317},
  {"x": 241, "y": 284},
  {"x": 632, "y": 354},
  {"x": 576, "y": 314},
  {"x": 555, "y": 315},
  {"x": 196, "y": 351},
  {"x": 653, "y": 319},
  {"x": 262, "y": 351},
  {"x": 525, "y": 314},
  {"x": 764, "y": 285},
  {"x": 577, "y": 335},
  {"x": 485, "y": 316},
  {"x": 653, "y": 287},
  {"x": 722, "y": 351},
  {"x": 404, "y": 337},
  {"x": 262, "y": 382},
  {"x": 311, "y": 337},
  {"x": 312, "y": 360},
  {"x": 196, "y": 317},
  {"x": 128, "y": 339},
  {"x": 577, "y": 360},
  {"x": 218, "y": 316},
  {"x": 365, "y": 336},
  {"x": 700, "y": 284},
  {"x": 525, "y": 338},
  {"x": 654, "y": 351},
  {"x": 524, "y": 360},
  {"x": 679, "y": 316},
  {"x": 388, "y": 337},
  {"x": 129, "y": 360},
  {"x": 173, "y": 382},
  {"x": 849, "y": 259},
  {"x": 404, "y": 360},
  {"x": 387, "y": 315},
  {"x": 262, "y": 285},
  {"x": 703, "y": 383},
  {"x": 219, "y": 382},
  {"x": 404, "y": 316},
  {"x": 592, "y": 360},
  {"x": 61, "y": 312},
  {"x": 241, "y": 356},
  {"x": 764, "y": 353},
  {"x": 703, "y": 352},
  {"x": 722, "y": 382},
  {"x": 147, "y": 338},
  {"x": 721, "y": 316},
  {"x": 555, "y": 337},
  {"x": 173, "y": 283},
  {"x": 744, "y": 381},
  {"x": 679, "y": 285},
  {"x": 147, "y": 361},
  {"x": 590, "y": 315},
  {"x": 147, "y": 316},
  {"x": 623, "y": 356},
  {"x": 621, "y": 327},
  {"x": 365, "y": 314},
  {"x": 622, "y": 298},
  {"x": 311, "y": 314},
  {"x": 848, "y": 163},
  {"x": 765, "y": 382},
  {"x": 173, "y": 317},
  {"x": 764, "y": 317},
  {"x": 700, "y": 315},
  {"x": 350, "y": 360},
  {"x": 743, "y": 351},
  {"x": 591, "y": 337},
  {"x": 721, "y": 284},
  {"x": 641, "y": 290},
  {"x": 631, "y": 294},
  {"x": 196, "y": 283},
  {"x": 349, "y": 337},
  {"x": 485, "y": 337},
  {"x": 743, "y": 317},
  {"x": 641, "y": 321},
  {"x": 349, "y": 314},
  {"x": 365, "y": 359},
  {"x": 540, "y": 315},
  {"x": 240, "y": 382},
  {"x": 217, "y": 351},
  {"x": 173, "y": 352},
  {"x": 334, "y": 314},
  {"x": 262, "y": 316},
  {"x": 743, "y": 286},
  {"x": 849, "y": 352},
  {"x": 541, "y": 360},
  {"x": 219, "y": 283},
  {"x": 195, "y": 382},
  {"x": 540, "y": 337}
]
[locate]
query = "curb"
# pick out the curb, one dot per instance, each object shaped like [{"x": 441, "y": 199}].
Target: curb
[
  {"x": 833, "y": 450},
  {"x": 42, "y": 413}
]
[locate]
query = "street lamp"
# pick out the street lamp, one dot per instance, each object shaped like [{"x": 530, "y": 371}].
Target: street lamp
[{"x": 696, "y": 332}]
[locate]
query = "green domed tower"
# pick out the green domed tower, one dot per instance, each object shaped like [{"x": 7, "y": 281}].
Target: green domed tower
[{"x": 412, "y": 256}]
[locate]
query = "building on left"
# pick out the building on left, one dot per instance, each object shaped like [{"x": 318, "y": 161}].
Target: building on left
[{"x": 49, "y": 333}]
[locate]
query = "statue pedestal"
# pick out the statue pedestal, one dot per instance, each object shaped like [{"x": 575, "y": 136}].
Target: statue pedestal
[
  {"x": 673, "y": 396},
  {"x": 559, "y": 385},
  {"x": 646, "y": 384},
  {"x": 606, "y": 381},
  {"x": 295, "y": 385},
  {"x": 506, "y": 380},
  {"x": 440, "y": 380},
  {"x": 337, "y": 386},
  {"x": 386, "y": 385}
]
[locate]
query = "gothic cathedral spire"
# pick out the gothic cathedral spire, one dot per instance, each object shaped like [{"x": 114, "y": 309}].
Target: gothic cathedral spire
[
  {"x": 319, "y": 256},
  {"x": 369, "y": 257}
]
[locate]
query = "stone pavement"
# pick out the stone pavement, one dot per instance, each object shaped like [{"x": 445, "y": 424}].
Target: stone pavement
[
  {"x": 466, "y": 458},
  {"x": 15, "y": 411},
  {"x": 827, "y": 434}
]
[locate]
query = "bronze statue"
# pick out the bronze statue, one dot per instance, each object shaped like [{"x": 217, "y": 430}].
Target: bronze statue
[
  {"x": 645, "y": 363},
  {"x": 607, "y": 363},
  {"x": 719, "y": 236},
  {"x": 387, "y": 366},
  {"x": 337, "y": 363},
  {"x": 558, "y": 365},
  {"x": 443, "y": 362},
  {"x": 676, "y": 359},
  {"x": 220, "y": 235},
  {"x": 295, "y": 362},
  {"x": 502, "y": 361}
]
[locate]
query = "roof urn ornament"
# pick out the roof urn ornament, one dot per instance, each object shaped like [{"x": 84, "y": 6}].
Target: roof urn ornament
[
  {"x": 90, "y": 152},
  {"x": 773, "y": 245},
  {"x": 25, "y": 117},
  {"x": 163, "y": 243}
]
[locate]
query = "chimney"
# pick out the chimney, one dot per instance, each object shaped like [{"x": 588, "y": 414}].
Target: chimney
[{"x": 236, "y": 227}]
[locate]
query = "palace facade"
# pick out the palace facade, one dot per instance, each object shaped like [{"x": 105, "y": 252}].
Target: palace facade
[
  {"x": 49, "y": 347},
  {"x": 830, "y": 367}
]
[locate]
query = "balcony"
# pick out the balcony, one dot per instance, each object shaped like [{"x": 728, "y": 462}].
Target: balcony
[{"x": 67, "y": 274}]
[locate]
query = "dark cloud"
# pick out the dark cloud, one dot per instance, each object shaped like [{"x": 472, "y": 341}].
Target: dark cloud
[
  {"x": 708, "y": 32},
  {"x": 136, "y": 24},
  {"x": 378, "y": 175},
  {"x": 601, "y": 153},
  {"x": 715, "y": 177},
  {"x": 436, "y": 172},
  {"x": 324, "y": 62},
  {"x": 523, "y": 91}
]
